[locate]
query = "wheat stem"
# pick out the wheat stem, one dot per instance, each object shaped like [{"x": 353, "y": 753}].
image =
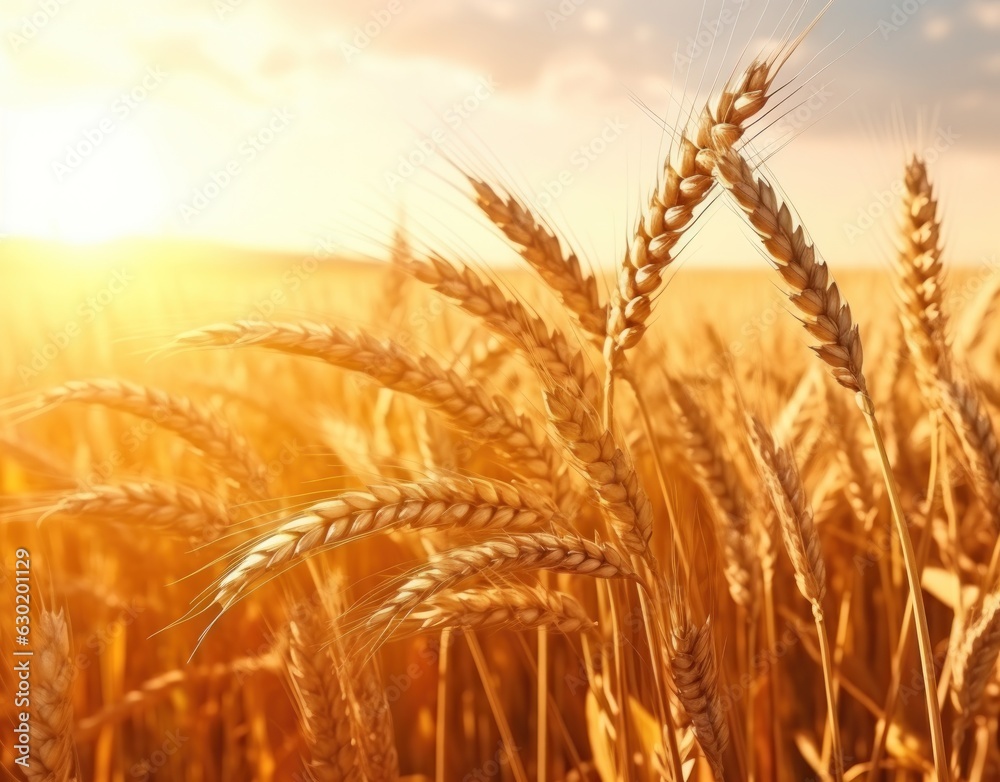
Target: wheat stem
[
  {"x": 916, "y": 593},
  {"x": 826, "y": 659}
]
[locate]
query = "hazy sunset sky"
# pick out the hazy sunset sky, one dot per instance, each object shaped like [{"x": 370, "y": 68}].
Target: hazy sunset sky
[{"x": 274, "y": 124}]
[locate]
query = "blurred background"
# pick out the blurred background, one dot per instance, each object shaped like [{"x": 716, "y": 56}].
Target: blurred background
[{"x": 267, "y": 125}]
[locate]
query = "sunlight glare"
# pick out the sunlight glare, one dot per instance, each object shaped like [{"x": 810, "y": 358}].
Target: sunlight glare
[{"x": 95, "y": 186}]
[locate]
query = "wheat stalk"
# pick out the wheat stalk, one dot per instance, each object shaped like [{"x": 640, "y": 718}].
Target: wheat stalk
[
  {"x": 510, "y": 606},
  {"x": 795, "y": 518},
  {"x": 465, "y": 403},
  {"x": 975, "y": 661},
  {"x": 798, "y": 531},
  {"x": 688, "y": 178},
  {"x": 342, "y": 702},
  {"x": 170, "y": 508},
  {"x": 374, "y": 726},
  {"x": 827, "y": 317},
  {"x": 52, "y": 753},
  {"x": 925, "y": 326},
  {"x": 978, "y": 439},
  {"x": 323, "y": 704},
  {"x": 458, "y": 503},
  {"x": 576, "y": 289},
  {"x": 686, "y": 182},
  {"x": 724, "y": 490},
  {"x": 557, "y": 361},
  {"x": 919, "y": 281},
  {"x": 824, "y": 312},
  {"x": 199, "y": 425},
  {"x": 694, "y": 670},
  {"x": 516, "y": 553},
  {"x": 608, "y": 470}
]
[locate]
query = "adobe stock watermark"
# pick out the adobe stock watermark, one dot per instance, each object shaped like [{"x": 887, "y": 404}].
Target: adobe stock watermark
[
  {"x": 884, "y": 200},
  {"x": 290, "y": 453},
  {"x": 365, "y": 34},
  {"x": 33, "y": 24},
  {"x": 99, "y": 641},
  {"x": 696, "y": 45},
  {"x": 751, "y": 332},
  {"x": 582, "y": 158},
  {"x": 804, "y": 113},
  {"x": 419, "y": 321},
  {"x": 957, "y": 298},
  {"x": 59, "y": 339},
  {"x": 901, "y": 14},
  {"x": 248, "y": 150},
  {"x": 224, "y": 8},
  {"x": 491, "y": 768},
  {"x": 91, "y": 139},
  {"x": 424, "y": 149},
  {"x": 558, "y": 15},
  {"x": 292, "y": 280},
  {"x": 158, "y": 758},
  {"x": 763, "y": 661}
]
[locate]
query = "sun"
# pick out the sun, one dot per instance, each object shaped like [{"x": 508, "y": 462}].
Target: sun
[{"x": 69, "y": 175}]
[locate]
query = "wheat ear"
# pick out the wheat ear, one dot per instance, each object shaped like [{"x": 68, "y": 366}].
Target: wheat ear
[
  {"x": 199, "y": 425},
  {"x": 466, "y": 404},
  {"x": 374, "y": 725},
  {"x": 557, "y": 361},
  {"x": 828, "y": 318},
  {"x": 477, "y": 505},
  {"x": 511, "y": 606},
  {"x": 609, "y": 471},
  {"x": 798, "y": 531},
  {"x": 52, "y": 753},
  {"x": 974, "y": 663},
  {"x": 921, "y": 290},
  {"x": 165, "y": 507},
  {"x": 517, "y": 553},
  {"x": 694, "y": 670},
  {"x": 686, "y": 182},
  {"x": 919, "y": 280},
  {"x": 541, "y": 249},
  {"x": 978, "y": 439},
  {"x": 795, "y": 518},
  {"x": 724, "y": 491},
  {"x": 323, "y": 705},
  {"x": 825, "y": 314}
]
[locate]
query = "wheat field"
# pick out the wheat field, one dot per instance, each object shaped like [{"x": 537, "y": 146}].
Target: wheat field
[{"x": 301, "y": 518}]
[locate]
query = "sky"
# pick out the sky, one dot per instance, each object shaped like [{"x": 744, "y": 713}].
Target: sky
[{"x": 303, "y": 123}]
